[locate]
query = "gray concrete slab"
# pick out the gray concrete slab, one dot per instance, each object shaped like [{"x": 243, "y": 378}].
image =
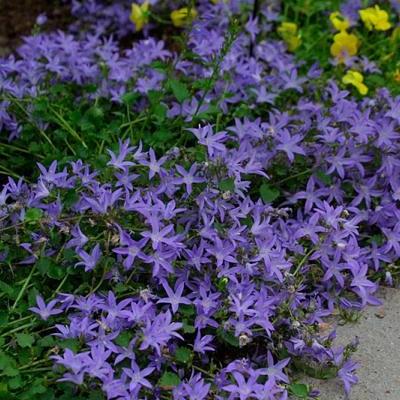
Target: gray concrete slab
[{"x": 379, "y": 353}]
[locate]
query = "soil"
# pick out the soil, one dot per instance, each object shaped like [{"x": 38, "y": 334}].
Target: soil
[{"x": 18, "y": 17}]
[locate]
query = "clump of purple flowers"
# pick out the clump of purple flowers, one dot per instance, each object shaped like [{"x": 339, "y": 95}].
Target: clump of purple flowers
[{"x": 212, "y": 267}]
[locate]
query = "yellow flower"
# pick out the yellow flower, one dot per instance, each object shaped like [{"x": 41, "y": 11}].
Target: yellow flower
[
  {"x": 375, "y": 18},
  {"x": 356, "y": 79},
  {"x": 289, "y": 33},
  {"x": 288, "y": 28},
  {"x": 344, "y": 45},
  {"x": 140, "y": 15},
  {"x": 339, "y": 22},
  {"x": 396, "y": 75},
  {"x": 182, "y": 16},
  {"x": 293, "y": 42}
]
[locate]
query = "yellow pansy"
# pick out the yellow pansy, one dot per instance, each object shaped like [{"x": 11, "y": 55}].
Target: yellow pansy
[
  {"x": 140, "y": 15},
  {"x": 339, "y": 22},
  {"x": 182, "y": 16},
  {"x": 344, "y": 45},
  {"x": 356, "y": 79},
  {"x": 375, "y": 18},
  {"x": 289, "y": 33}
]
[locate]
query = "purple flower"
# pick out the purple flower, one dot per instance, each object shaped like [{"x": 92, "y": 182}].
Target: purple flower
[
  {"x": 202, "y": 343},
  {"x": 89, "y": 261},
  {"x": 158, "y": 331},
  {"x": 347, "y": 376},
  {"x": 244, "y": 389},
  {"x": 222, "y": 251},
  {"x": 364, "y": 287},
  {"x": 131, "y": 250},
  {"x": 70, "y": 360},
  {"x": 159, "y": 236},
  {"x": 174, "y": 297},
  {"x": 45, "y": 311},
  {"x": 50, "y": 175},
  {"x": 275, "y": 371},
  {"x": 212, "y": 141},
  {"x": 188, "y": 178},
  {"x": 137, "y": 377},
  {"x": 153, "y": 164},
  {"x": 196, "y": 388},
  {"x": 119, "y": 161},
  {"x": 79, "y": 239},
  {"x": 289, "y": 144}
]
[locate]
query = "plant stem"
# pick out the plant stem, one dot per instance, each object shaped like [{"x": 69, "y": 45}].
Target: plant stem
[
  {"x": 18, "y": 328},
  {"x": 305, "y": 172},
  {"x": 204, "y": 371},
  {"x": 22, "y": 291},
  {"x": 61, "y": 120},
  {"x": 303, "y": 260}
]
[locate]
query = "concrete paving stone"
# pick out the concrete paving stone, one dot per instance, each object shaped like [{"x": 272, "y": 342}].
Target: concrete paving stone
[{"x": 378, "y": 353}]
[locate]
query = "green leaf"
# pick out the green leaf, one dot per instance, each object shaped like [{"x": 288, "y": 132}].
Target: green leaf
[
  {"x": 72, "y": 344},
  {"x": 155, "y": 96},
  {"x": 6, "y": 360},
  {"x": 16, "y": 382},
  {"x": 96, "y": 395},
  {"x": 123, "y": 339},
  {"x": 187, "y": 328},
  {"x": 183, "y": 355},
  {"x": 25, "y": 354},
  {"x": 49, "y": 395},
  {"x": 37, "y": 387},
  {"x": 6, "y": 289},
  {"x": 162, "y": 136},
  {"x": 300, "y": 390},
  {"x": 227, "y": 185},
  {"x": 268, "y": 193},
  {"x": 47, "y": 341},
  {"x": 179, "y": 89},
  {"x": 43, "y": 265},
  {"x": 201, "y": 83},
  {"x": 130, "y": 98},
  {"x": 159, "y": 65},
  {"x": 33, "y": 215},
  {"x": 209, "y": 113},
  {"x": 25, "y": 339},
  {"x": 95, "y": 112},
  {"x": 169, "y": 380},
  {"x": 56, "y": 271},
  {"x": 159, "y": 111},
  {"x": 187, "y": 310},
  {"x": 322, "y": 176},
  {"x": 228, "y": 337},
  {"x": 8, "y": 365},
  {"x": 47, "y": 266},
  {"x": 10, "y": 371}
]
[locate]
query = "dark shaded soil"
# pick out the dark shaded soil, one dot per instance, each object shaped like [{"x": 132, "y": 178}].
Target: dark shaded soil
[{"x": 18, "y": 17}]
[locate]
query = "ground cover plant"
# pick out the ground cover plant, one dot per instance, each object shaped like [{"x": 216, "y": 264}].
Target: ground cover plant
[{"x": 191, "y": 191}]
